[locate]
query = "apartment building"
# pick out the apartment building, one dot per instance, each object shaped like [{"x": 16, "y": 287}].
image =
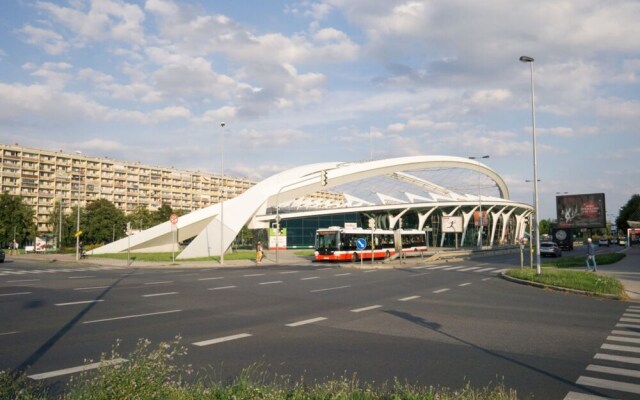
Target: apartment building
[{"x": 43, "y": 177}]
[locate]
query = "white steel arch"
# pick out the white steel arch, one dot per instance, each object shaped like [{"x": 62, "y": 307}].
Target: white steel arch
[{"x": 204, "y": 225}]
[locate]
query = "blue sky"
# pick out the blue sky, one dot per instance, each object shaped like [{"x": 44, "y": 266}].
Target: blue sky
[{"x": 299, "y": 82}]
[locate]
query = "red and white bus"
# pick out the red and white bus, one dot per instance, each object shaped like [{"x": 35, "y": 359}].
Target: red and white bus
[{"x": 339, "y": 244}]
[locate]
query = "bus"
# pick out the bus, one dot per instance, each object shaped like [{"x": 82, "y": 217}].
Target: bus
[{"x": 339, "y": 244}]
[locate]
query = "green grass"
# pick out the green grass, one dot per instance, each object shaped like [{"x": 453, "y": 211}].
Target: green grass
[
  {"x": 154, "y": 373},
  {"x": 579, "y": 261},
  {"x": 304, "y": 253},
  {"x": 578, "y": 280}
]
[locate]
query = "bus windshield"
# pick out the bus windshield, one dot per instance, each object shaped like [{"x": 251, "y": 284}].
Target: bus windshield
[{"x": 326, "y": 240}]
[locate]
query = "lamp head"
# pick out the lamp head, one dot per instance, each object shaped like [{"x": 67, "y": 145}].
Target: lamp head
[
  {"x": 222, "y": 124},
  {"x": 526, "y": 59}
]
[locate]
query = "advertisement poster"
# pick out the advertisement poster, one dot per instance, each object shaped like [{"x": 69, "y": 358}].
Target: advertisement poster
[
  {"x": 276, "y": 240},
  {"x": 451, "y": 224},
  {"x": 581, "y": 211}
]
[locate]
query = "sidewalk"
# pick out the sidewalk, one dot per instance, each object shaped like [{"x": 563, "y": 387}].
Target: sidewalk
[{"x": 626, "y": 271}]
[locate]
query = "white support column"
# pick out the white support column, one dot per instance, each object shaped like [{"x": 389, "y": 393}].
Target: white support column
[
  {"x": 494, "y": 222},
  {"x": 422, "y": 218},
  {"x": 481, "y": 228},
  {"x": 521, "y": 224},
  {"x": 394, "y": 220},
  {"x": 465, "y": 222},
  {"x": 505, "y": 220}
]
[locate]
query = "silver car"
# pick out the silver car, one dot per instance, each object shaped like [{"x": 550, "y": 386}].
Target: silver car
[{"x": 550, "y": 249}]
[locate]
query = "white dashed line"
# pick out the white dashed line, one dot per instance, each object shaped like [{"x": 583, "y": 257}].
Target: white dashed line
[
  {"x": 80, "y": 277},
  {"x": 68, "y": 371},
  {"x": 357, "y": 310},
  {"x": 23, "y": 280},
  {"x": 289, "y": 272},
  {"x": 369, "y": 270},
  {"x": 327, "y": 289},
  {"x": 159, "y": 294},
  {"x": 306, "y": 322},
  {"x": 158, "y": 283},
  {"x": 270, "y": 283},
  {"x": 345, "y": 274},
  {"x": 78, "y": 302},
  {"x": 211, "y": 279},
  {"x": 465, "y": 284},
  {"x": 131, "y": 316},
  {"x": 441, "y": 290},
  {"x": 9, "y": 333},
  {"x": 409, "y": 298},
  {"x": 14, "y": 294},
  {"x": 309, "y": 278},
  {"x": 250, "y": 275},
  {"x": 91, "y": 288},
  {"x": 222, "y": 287},
  {"x": 222, "y": 339}
]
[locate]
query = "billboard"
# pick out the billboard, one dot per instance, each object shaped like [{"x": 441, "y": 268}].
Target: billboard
[
  {"x": 581, "y": 211},
  {"x": 451, "y": 224}
]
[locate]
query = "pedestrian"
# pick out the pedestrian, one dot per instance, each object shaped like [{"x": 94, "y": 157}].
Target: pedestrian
[
  {"x": 591, "y": 256},
  {"x": 14, "y": 248},
  {"x": 259, "y": 253}
]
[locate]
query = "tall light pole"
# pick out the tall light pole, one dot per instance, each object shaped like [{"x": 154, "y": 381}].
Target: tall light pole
[
  {"x": 78, "y": 220},
  {"x": 221, "y": 194},
  {"x": 480, "y": 219},
  {"x": 536, "y": 219}
]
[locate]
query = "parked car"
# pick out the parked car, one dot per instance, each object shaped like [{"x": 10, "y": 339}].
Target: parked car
[
  {"x": 550, "y": 249},
  {"x": 603, "y": 242},
  {"x": 622, "y": 241},
  {"x": 1, "y": 256}
]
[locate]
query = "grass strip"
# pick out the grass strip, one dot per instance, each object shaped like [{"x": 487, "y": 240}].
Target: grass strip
[{"x": 577, "y": 280}]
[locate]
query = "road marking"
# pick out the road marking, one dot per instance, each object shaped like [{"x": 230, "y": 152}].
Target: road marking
[
  {"x": 327, "y": 289},
  {"x": 366, "y": 308},
  {"x": 623, "y": 339},
  {"x": 159, "y": 294},
  {"x": 211, "y": 279},
  {"x": 222, "y": 339},
  {"x": 306, "y": 321},
  {"x": 465, "y": 284},
  {"x": 420, "y": 274},
  {"x": 158, "y": 283},
  {"x": 439, "y": 267},
  {"x": 409, "y": 298},
  {"x": 23, "y": 280},
  {"x": 250, "y": 275},
  {"x": 80, "y": 277},
  {"x": 131, "y": 316},
  {"x": 270, "y": 283},
  {"x": 630, "y": 319},
  {"x": 485, "y": 269},
  {"x": 14, "y": 294},
  {"x": 454, "y": 268},
  {"x": 309, "y": 278},
  {"x": 324, "y": 269},
  {"x": 609, "y": 384},
  {"x": 78, "y": 302},
  {"x": 486, "y": 279},
  {"x": 419, "y": 267},
  {"x": 631, "y": 314},
  {"x": 628, "y": 333},
  {"x": 9, "y": 333},
  {"x": 628, "y": 326},
  {"x": 289, "y": 272},
  {"x": 369, "y": 270},
  {"x": 91, "y": 288},
  {"x": 500, "y": 271},
  {"x": 87, "y": 367},
  {"x": 481, "y": 264},
  {"x": 441, "y": 290},
  {"x": 630, "y": 349},
  {"x": 469, "y": 269},
  {"x": 614, "y": 371},
  {"x": 222, "y": 287},
  {"x": 345, "y": 274},
  {"x": 611, "y": 357},
  {"x": 583, "y": 396}
]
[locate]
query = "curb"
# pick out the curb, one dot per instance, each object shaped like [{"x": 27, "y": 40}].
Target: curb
[{"x": 560, "y": 288}]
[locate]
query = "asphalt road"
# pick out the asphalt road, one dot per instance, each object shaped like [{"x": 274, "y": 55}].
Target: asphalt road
[{"x": 441, "y": 325}]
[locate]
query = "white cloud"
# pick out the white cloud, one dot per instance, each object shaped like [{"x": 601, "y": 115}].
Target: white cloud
[{"x": 52, "y": 42}]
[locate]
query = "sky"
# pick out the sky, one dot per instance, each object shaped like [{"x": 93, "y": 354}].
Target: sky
[{"x": 299, "y": 82}]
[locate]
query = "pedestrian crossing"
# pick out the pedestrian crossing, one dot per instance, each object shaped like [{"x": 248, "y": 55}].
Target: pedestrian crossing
[
  {"x": 462, "y": 268},
  {"x": 12, "y": 272},
  {"x": 615, "y": 371}
]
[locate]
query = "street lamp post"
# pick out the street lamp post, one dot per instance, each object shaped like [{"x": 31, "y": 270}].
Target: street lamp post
[
  {"x": 221, "y": 194},
  {"x": 78, "y": 222},
  {"x": 536, "y": 219},
  {"x": 480, "y": 219}
]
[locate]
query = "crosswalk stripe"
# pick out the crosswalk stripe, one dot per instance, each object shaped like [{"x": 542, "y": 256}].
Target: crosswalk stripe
[
  {"x": 469, "y": 269},
  {"x": 623, "y": 339},
  {"x": 500, "y": 271},
  {"x": 612, "y": 357},
  {"x": 628, "y": 326},
  {"x": 630, "y": 319},
  {"x": 454, "y": 268},
  {"x": 609, "y": 384},
  {"x": 614, "y": 371},
  {"x": 484, "y": 269},
  {"x": 439, "y": 267},
  {"x": 630, "y": 349},
  {"x": 628, "y": 333},
  {"x": 583, "y": 396}
]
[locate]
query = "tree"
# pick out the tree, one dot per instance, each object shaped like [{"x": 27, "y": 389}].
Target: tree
[
  {"x": 104, "y": 222},
  {"x": 141, "y": 218},
  {"x": 16, "y": 220},
  {"x": 68, "y": 221},
  {"x": 161, "y": 215},
  {"x": 545, "y": 226},
  {"x": 628, "y": 212}
]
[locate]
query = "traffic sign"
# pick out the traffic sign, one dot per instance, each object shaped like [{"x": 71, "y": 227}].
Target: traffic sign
[
  {"x": 78, "y": 234},
  {"x": 173, "y": 218},
  {"x": 361, "y": 243}
]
